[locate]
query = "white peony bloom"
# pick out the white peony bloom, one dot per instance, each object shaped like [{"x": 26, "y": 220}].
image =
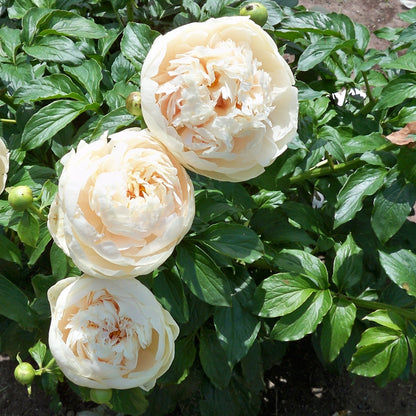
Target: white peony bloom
[
  {"x": 4, "y": 165},
  {"x": 122, "y": 205},
  {"x": 110, "y": 334},
  {"x": 220, "y": 96}
]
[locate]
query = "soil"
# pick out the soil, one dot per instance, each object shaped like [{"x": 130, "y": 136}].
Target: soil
[
  {"x": 375, "y": 14},
  {"x": 299, "y": 385}
]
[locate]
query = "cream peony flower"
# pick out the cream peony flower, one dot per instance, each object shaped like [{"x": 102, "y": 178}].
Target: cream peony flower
[
  {"x": 4, "y": 165},
  {"x": 108, "y": 334},
  {"x": 220, "y": 97},
  {"x": 122, "y": 205}
]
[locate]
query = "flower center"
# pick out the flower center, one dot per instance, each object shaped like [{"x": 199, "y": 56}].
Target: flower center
[
  {"x": 213, "y": 95},
  {"x": 99, "y": 330}
]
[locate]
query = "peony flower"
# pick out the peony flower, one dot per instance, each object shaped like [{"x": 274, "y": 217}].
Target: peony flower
[
  {"x": 122, "y": 205},
  {"x": 220, "y": 96},
  {"x": 106, "y": 334},
  {"x": 4, "y": 165}
]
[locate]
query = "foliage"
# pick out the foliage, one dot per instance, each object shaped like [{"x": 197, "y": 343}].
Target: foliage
[{"x": 319, "y": 244}]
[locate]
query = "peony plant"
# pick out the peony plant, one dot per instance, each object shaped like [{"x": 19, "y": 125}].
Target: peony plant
[{"x": 198, "y": 198}]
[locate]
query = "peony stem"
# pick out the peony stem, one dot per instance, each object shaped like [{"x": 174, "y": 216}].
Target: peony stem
[
  {"x": 373, "y": 305},
  {"x": 339, "y": 169}
]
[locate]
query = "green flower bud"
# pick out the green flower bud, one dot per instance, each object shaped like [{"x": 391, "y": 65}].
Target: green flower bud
[
  {"x": 133, "y": 103},
  {"x": 24, "y": 373},
  {"x": 256, "y": 11},
  {"x": 20, "y": 197},
  {"x": 101, "y": 396}
]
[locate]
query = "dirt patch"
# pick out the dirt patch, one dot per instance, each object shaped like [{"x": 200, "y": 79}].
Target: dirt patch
[
  {"x": 374, "y": 14},
  {"x": 301, "y": 386}
]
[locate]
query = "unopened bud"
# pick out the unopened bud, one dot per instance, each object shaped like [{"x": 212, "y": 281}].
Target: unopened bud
[
  {"x": 20, "y": 197},
  {"x": 134, "y": 103},
  {"x": 256, "y": 11}
]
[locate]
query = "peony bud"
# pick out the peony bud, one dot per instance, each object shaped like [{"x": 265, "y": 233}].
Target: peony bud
[
  {"x": 133, "y": 103},
  {"x": 24, "y": 373},
  {"x": 20, "y": 197},
  {"x": 256, "y": 11},
  {"x": 101, "y": 396}
]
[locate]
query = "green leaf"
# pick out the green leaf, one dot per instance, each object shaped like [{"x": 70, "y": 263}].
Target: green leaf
[
  {"x": 112, "y": 122},
  {"x": 406, "y": 62},
  {"x": 185, "y": 353},
  {"x": 374, "y": 351},
  {"x": 396, "y": 91},
  {"x": 132, "y": 401},
  {"x": 43, "y": 240},
  {"x": 363, "y": 182},
  {"x": 203, "y": 277},
  {"x": 59, "y": 262},
  {"x": 303, "y": 320},
  {"x": 60, "y": 22},
  {"x": 397, "y": 364},
  {"x": 388, "y": 319},
  {"x": 236, "y": 329},
  {"x": 408, "y": 34},
  {"x": 406, "y": 161},
  {"x": 301, "y": 262},
  {"x": 49, "y": 88},
  {"x": 399, "y": 267},
  {"x": 336, "y": 328},
  {"x": 30, "y": 23},
  {"x": 38, "y": 353},
  {"x": 89, "y": 75},
  {"x": 168, "y": 289},
  {"x": 14, "y": 303},
  {"x": 317, "y": 51},
  {"x": 136, "y": 42},
  {"x": 252, "y": 368},
  {"x": 213, "y": 359},
  {"x": 348, "y": 264},
  {"x": 9, "y": 251},
  {"x": 233, "y": 240},
  {"x": 57, "y": 49},
  {"x": 392, "y": 205},
  {"x": 28, "y": 229},
  {"x": 281, "y": 294},
  {"x": 49, "y": 120},
  {"x": 10, "y": 41}
]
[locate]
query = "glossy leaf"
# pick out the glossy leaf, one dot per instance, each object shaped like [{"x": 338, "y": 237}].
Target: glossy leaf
[
  {"x": 399, "y": 267},
  {"x": 136, "y": 42},
  {"x": 57, "y": 49},
  {"x": 203, "y": 277},
  {"x": 168, "y": 288},
  {"x": 62, "y": 22},
  {"x": 303, "y": 320},
  {"x": 28, "y": 229},
  {"x": 48, "y": 88},
  {"x": 217, "y": 370},
  {"x": 281, "y": 294},
  {"x": 14, "y": 303},
  {"x": 392, "y": 206},
  {"x": 336, "y": 328},
  {"x": 301, "y": 262},
  {"x": 363, "y": 182},
  {"x": 348, "y": 264},
  {"x": 233, "y": 240},
  {"x": 49, "y": 120},
  {"x": 236, "y": 329}
]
